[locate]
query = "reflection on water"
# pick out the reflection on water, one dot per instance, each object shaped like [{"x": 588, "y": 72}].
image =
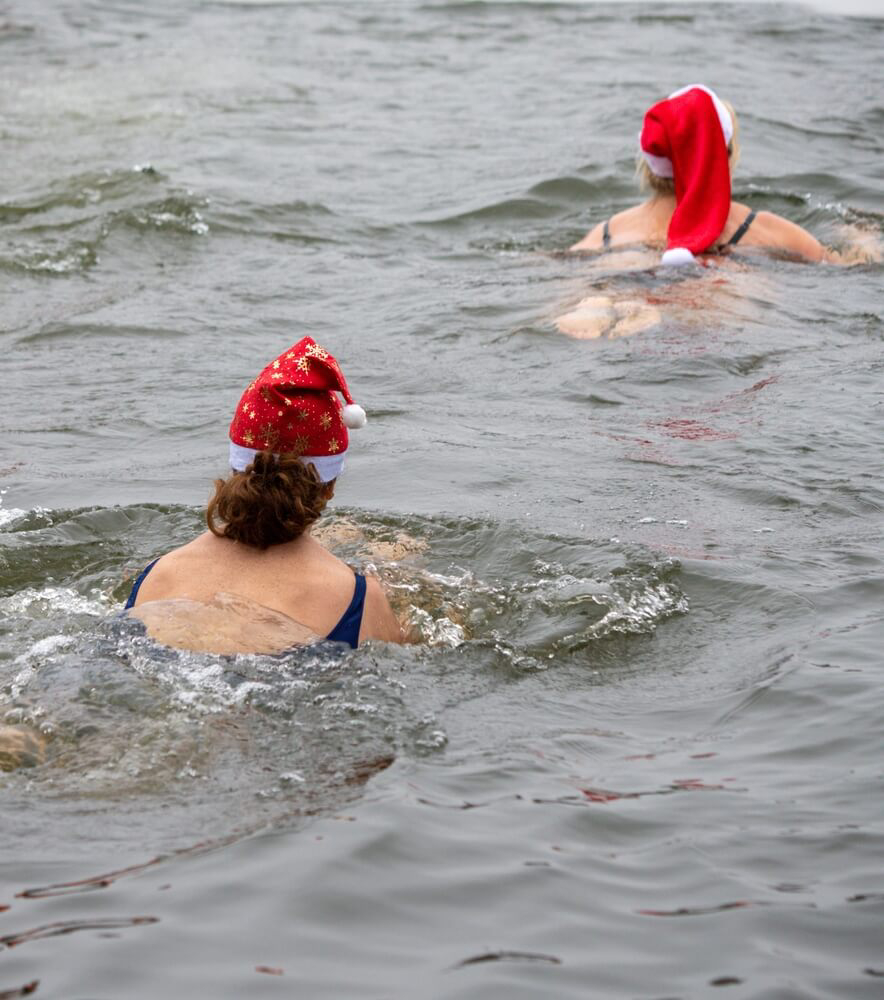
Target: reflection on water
[{"x": 633, "y": 294}]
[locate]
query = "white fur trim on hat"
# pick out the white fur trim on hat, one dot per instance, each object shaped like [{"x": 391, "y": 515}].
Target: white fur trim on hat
[
  {"x": 662, "y": 165},
  {"x": 328, "y": 467},
  {"x": 677, "y": 257}
]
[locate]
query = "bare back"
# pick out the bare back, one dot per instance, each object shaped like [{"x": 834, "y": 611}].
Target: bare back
[
  {"x": 647, "y": 224},
  {"x": 300, "y": 579}
]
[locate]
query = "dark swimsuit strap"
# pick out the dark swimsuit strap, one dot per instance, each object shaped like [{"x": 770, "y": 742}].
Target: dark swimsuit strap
[
  {"x": 743, "y": 229},
  {"x": 130, "y": 603},
  {"x": 347, "y": 629}
]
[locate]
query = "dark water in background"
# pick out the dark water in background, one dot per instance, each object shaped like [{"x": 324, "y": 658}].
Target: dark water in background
[{"x": 641, "y": 754}]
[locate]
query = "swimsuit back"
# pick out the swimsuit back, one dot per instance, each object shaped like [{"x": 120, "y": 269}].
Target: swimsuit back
[
  {"x": 732, "y": 242},
  {"x": 347, "y": 629}
]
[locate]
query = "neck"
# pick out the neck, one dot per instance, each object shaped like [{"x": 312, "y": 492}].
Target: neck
[
  {"x": 662, "y": 199},
  {"x": 660, "y": 207}
]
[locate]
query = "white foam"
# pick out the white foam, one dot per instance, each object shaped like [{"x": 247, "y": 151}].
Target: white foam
[
  {"x": 11, "y": 515},
  {"x": 641, "y": 611},
  {"x": 435, "y": 631},
  {"x": 61, "y": 599},
  {"x": 50, "y": 644},
  {"x": 41, "y": 649},
  {"x": 199, "y": 682}
]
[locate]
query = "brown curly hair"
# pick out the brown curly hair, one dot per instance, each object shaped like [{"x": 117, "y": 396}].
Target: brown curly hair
[{"x": 274, "y": 500}]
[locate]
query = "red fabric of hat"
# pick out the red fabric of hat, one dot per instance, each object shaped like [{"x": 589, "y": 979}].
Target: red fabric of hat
[
  {"x": 291, "y": 409},
  {"x": 686, "y": 130}
]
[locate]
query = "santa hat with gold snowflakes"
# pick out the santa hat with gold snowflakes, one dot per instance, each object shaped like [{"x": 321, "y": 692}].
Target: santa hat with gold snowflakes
[
  {"x": 291, "y": 409},
  {"x": 686, "y": 138}
]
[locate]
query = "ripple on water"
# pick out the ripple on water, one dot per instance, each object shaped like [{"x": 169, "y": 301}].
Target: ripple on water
[
  {"x": 62, "y": 228},
  {"x": 123, "y": 716},
  {"x": 593, "y": 791}
]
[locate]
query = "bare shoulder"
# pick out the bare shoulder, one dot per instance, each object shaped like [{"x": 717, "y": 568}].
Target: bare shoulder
[
  {"x": 594, "y": 239},
  {"x": 642, "y": 224},
  {"x": 378, "y": 619},
  {"x": 168, "y": 570},
  {"x": 774, "y": 231},
  {"x": 314, "y": 557},
  {"x": 161, "y": 571}
]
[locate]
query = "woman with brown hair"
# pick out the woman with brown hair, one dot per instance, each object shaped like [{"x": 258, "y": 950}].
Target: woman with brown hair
[{"x": 257, "y": 580}]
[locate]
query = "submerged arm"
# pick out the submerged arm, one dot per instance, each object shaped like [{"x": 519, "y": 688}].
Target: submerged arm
[
  {"x": 858, "y": 246},
  {"x": 777, "y": 233},
  {"x": 378, "y": 619}
]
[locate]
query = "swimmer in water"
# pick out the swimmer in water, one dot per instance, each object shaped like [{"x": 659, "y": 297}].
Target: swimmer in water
[
  {"x": 257, "y": 580},
  {"x": 689, "y": 146}
]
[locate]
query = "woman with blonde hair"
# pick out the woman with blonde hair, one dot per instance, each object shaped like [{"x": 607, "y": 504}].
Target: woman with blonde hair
[{"x": 689, "y": 145}]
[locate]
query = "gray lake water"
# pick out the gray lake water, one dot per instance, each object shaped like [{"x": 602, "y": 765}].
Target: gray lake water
[{"x": 639, "y": 754}]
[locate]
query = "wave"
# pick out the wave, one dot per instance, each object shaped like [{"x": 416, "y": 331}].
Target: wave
[
  {"x": 80, "y": 191},
  {"x": 302, "y": 222},
  {"x": 61, "y": 230},
  {"x": 510, "y": 210},
  {"x": 245, "y": 740},
  {"x": 532, "y": 608}
]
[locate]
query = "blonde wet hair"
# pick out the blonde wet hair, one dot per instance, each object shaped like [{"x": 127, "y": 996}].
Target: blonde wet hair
[{"x": 649, "y": 181}]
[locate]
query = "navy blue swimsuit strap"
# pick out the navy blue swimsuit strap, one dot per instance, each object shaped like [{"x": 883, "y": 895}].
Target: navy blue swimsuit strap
[
  {"x": 130, "y": 603},
  {"x": 741, "y": 232},
  {"x": 347, "y": 629},
  {"x": 606, "y": 236}
]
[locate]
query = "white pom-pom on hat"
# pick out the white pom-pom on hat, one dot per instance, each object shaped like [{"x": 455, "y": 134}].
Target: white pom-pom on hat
[
  {"x": 354, "y": 416},
  {"x": 678, "y": 257}
]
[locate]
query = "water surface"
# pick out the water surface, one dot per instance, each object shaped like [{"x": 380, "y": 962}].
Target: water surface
[{"x": 638, "y": 753}]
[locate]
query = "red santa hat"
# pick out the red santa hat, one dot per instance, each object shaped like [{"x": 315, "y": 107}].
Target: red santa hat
[
  {"x": 686, "y": 137},
  {"x": 291, "y": 408}
]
